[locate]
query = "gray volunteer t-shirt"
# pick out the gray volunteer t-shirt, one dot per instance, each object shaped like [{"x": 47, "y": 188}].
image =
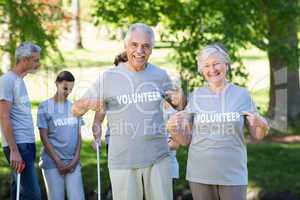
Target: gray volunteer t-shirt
[
  {"x": 217, "y": 153},
  {"x": 13, "y": 90},
  {"x": 62, "y": 129},
  {"x": 134, "y": 111}
]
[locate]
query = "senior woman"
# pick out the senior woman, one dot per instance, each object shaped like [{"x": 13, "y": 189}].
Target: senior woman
[{"x": 213, "y": 126}]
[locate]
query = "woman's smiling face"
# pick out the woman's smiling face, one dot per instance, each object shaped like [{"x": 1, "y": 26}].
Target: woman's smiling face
[{"x": 213, "y": 69}]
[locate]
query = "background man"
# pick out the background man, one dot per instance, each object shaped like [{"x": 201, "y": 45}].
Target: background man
[{"x": 16, "y": 124}]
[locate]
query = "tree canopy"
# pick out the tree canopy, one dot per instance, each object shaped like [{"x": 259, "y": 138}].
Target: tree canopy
[{"x": 30, "y": 20}]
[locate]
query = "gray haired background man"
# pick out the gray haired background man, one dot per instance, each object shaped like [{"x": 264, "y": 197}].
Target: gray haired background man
[
  {"x": 131, "y": 95},
  {"x": 18, "y": 139}
]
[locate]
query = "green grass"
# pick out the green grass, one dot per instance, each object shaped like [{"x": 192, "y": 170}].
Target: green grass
[
  {"x": 89, "y": 171},
  {"x": 88, "y": 58},
  {"x": 103, "y": 56},
  {"x": 254, "y": 57},
  {"x": 89, "y": 168},
  {"x": 272, "y": 167}
]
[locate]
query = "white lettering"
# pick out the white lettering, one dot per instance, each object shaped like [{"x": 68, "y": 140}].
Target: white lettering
[
  {"x": 139, "y": 97},
  {"x": 69, "y": 121}
]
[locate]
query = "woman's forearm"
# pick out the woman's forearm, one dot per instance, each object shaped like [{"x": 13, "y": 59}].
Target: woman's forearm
[
  {"x": 48, "y": 147},
  {"x": 78, "y": 147},
  {"x": 259, "y": 131}
]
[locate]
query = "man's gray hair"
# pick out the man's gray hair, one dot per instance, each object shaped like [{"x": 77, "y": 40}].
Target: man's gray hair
[
  {"x": 25, "y": 49},
  {"x": 208, "y": 50},
  {"x": 143, "y": 27}
]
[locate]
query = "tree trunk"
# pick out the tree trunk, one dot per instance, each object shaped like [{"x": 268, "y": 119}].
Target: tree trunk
[
  {"x": 278, "y": 93},
  {"x": 293, "y": 80},
  {"x": 76, "y": 28},
  {"x": 6, "y": 57},
  {"x": 284, "y": 105},
  {"x": 6, "y": 62}
]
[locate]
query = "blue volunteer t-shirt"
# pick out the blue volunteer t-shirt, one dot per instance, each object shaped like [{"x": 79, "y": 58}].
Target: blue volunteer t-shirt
[
  {"x": 13, "y": 90},
  {"x": 62, "y": 129}
]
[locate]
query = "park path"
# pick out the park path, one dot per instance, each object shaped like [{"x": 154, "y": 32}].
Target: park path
[{"x": 283, "y": 138}]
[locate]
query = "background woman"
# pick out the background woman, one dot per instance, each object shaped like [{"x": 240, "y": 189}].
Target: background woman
[{"x": 60, "y": 135}]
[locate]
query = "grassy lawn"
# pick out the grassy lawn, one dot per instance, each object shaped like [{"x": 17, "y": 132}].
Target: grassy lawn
[
  {"x": 272, "y": 167},
  {"x": 103, "y": 58}
]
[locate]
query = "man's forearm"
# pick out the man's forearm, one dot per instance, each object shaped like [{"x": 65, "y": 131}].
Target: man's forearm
[
  {"x": 81, "y": 106},
  {"x": 97, "y": 124},
  {"x": 7, "y": 131},
  {"x": 178, "y": 104},
  {"x": 182, "y": 103}
]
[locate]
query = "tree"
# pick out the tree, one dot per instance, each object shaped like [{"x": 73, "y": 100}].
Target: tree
[
  {"x": 76, "y": 28},
  {"x": 181, "y": 21},
  {"x": 283, "y": 56},
  {"x": 270, "y": 25},
  {"x": 29, "y": 21},
  {"x": 273, "y": 28}
]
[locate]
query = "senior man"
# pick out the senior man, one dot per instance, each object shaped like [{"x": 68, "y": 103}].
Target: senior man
[{"x": 131, "y": 95}]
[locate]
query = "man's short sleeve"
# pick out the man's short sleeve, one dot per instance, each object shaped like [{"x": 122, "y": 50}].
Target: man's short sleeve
[
  {"x": 96, "y": 89},
  {"x": 6, "y": 89}
]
